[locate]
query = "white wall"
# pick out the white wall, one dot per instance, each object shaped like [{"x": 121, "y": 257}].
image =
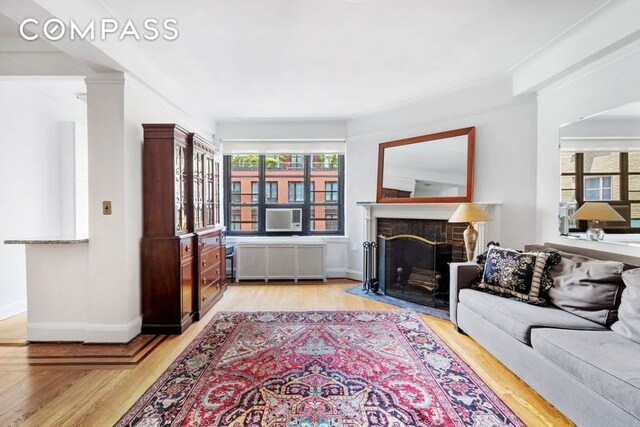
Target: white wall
[
  {"x": 504, "y": 155},
  {"x": 613, "y": 82},
  {"x": 57, "y": 292},
  {"x": 105, "y": 278},
  {"x": 32, "y": 112},
  {"x": 142, "y": 105}
]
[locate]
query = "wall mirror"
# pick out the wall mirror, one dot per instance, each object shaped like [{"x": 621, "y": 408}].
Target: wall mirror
[
  {"x": 600, "y": 163},
  {"x": 436, "y": 168}
]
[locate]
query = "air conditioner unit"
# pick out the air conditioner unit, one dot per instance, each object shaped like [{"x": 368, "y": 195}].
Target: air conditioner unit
[{"x": 283, "y": 219}]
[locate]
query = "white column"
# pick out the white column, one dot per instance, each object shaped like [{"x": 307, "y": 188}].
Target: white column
[{"x": 112, "y": 314}]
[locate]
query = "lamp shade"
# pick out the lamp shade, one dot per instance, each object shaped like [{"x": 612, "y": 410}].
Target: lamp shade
[
  {"x": 600, "y": 211},
  {"x": 470, "y": 212}
]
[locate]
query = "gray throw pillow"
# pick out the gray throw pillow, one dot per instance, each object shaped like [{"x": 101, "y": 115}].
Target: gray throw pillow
[
  {"x": 587, "y": 287},
  {"x": 629, "y": 312}
]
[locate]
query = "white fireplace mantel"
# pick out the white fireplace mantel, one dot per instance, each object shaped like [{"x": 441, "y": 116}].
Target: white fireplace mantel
[{"x": 439, "y": 211}]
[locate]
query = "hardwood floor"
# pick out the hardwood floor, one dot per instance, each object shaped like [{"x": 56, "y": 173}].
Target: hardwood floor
[
  {"x": 80, "y": 396},
  {"x": 13, "y": 331}
]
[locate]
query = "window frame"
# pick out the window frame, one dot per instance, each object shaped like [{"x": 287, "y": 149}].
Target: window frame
[
  {"x": 624, "y": 200},
  {"x": 306, "y": 205}
]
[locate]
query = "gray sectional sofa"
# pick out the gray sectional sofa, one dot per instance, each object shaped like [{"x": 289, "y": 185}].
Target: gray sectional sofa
[{"x": 589, "y": 372}]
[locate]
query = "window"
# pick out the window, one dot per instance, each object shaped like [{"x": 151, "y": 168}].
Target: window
[
  {"x": 310, "y": 182},
  {"x": 235, "y": 219},
  {"x": 331, "y": 215},
  {"x": 613, "y": 177},
  {"x": 271, "y": 192},
  {"x": 254, "y": 192},
  {"x": 296, "y": 192},
  {"x": 235, "y": 191},
  {"x": 331, "y": 191},
  {"x": 326, "y": 195},
  {"x": 597, "y": 188},
  {"x": 242, "y": 212}
]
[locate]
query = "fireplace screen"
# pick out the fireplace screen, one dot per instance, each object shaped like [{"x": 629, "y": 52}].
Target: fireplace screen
[{"x": 414, "y": 269}]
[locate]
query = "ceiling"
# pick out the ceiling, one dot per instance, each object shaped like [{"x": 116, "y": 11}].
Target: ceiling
[{"x": 340, "y": 58}]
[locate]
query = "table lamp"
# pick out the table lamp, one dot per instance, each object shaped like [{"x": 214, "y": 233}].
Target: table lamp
[
  {"x": 470, "y": 213},
  {"x": 596, "y": 212}
]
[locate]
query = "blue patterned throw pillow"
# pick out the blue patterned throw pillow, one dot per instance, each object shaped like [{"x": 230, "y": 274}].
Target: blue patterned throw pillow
[{"x": 520, "y": 275}]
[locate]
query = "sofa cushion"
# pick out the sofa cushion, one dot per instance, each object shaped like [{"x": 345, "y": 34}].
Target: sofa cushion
[
  {"x": 518, "y": 275},
  {"x": 518, "y": 319},
  {"x": 587, "y": 287},
  {"x": 629, "y": 311},
  {"x": 603, "y": 360}
]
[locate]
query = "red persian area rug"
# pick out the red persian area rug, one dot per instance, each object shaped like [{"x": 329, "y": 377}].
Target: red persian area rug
[{"x": 319, "y": 369}]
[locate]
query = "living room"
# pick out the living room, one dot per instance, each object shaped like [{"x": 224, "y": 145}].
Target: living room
[{"x": 297, "y": 109}]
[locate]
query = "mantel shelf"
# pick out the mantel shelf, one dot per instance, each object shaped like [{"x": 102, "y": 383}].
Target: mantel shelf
[{"x": 432, "y": 211}]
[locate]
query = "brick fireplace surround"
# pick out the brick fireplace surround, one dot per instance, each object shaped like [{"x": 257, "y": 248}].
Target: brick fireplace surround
[{"x": 430, "y": 229}]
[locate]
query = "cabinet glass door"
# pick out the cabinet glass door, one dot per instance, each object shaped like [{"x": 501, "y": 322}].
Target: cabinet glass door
[
  {"x": 180, "y": 188},
  {"x": 210, "y": 191},
  {"x": 198, "y": 190}
]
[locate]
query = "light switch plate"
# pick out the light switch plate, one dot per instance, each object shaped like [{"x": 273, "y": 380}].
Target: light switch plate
[{"x": 106, "y": 207}]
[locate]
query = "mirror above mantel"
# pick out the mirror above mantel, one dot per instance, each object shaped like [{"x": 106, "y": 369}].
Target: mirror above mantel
[{"x": 434, "y": 168}]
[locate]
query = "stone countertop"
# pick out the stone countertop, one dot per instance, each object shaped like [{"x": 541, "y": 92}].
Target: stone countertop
[{"x": 46, "y": 242}]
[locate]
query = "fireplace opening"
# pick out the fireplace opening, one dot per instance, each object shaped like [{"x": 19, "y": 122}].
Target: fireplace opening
[
  {"x": 415, "y": 269},
  {"x": 413, "y": 258}
]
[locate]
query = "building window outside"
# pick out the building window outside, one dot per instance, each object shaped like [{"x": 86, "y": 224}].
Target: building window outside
[
  {"x": 271, "y": 192},
  {"x": 597, "y": 188},
  {"x": 235, "y": 219},
  {"x": 235, "y": 191},
  {"x": 296, "y": 192},
  {"x": 331, "y": 191},
  {"x": 254, "y": 192},
  {"x": 331, "y": 217},
  {"x": 313, "y": 183}
]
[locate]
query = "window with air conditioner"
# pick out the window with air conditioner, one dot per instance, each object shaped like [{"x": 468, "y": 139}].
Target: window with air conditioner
[{"x": 284, "y": 194}]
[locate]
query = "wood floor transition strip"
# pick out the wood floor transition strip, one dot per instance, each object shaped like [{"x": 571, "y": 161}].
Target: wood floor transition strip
[{"x": 89, "y": 355}]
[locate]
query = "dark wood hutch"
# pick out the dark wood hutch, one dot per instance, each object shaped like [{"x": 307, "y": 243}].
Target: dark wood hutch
[{"x": 183, "y": 244}]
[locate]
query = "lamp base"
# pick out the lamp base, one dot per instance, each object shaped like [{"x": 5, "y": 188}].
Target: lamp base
[
  {"x": 470, "y": 236},
  {"x": 595, "y": 232}
]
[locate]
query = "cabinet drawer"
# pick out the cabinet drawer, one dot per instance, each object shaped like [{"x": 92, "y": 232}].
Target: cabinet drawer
[
  {"x": 210, "y": 241},
  {"x": 209, "y": 292},
  {"x": 186, "y": 248},
  {"x": 209, "y": 258},
  {"x": 209, "y": 276}
]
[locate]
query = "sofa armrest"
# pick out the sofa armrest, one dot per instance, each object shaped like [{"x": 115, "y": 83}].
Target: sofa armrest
[{"x": 461, "y": 275}]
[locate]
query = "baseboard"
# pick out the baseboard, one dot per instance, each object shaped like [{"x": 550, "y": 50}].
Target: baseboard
[
  {"x": 336, "y": 273},
  {"x": 84, "y": 332},
  {"x": 353, "y": 274},
  {"x": 13, "y": 309},
  {"x": 113, "y": 333},
  {"x": 60, "y": 331}
]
